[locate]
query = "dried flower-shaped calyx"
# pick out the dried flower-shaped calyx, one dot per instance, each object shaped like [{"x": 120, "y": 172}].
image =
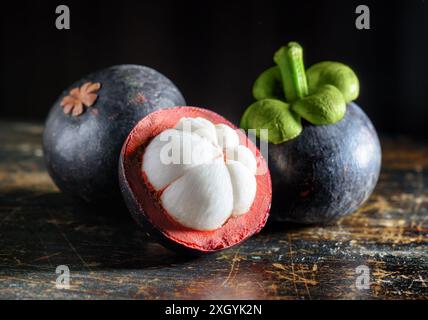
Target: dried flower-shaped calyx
[{"x": 75, "y": 101}]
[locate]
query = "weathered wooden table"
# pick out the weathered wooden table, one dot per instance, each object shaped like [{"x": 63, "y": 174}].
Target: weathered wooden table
[{"x": 40, "y": 229}]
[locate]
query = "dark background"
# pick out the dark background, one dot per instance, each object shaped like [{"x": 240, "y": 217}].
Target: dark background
[{"x": 213, "y": 50}]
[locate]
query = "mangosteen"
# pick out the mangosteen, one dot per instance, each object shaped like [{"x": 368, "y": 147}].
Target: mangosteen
[
  {"x": 324, "y": 152},
  {"x": 87, "y": 125},
  {"x": 193, "y": 180}
]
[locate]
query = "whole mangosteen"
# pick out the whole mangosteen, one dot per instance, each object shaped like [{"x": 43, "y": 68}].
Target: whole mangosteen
[
  {"x": 324, "y": 152},
  {"x": 89, "y": 122},
  {"x": 194, "y": 181}
]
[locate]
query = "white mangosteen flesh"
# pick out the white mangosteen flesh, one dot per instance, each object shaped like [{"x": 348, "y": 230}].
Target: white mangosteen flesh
[{"x": 203, "y": 173}]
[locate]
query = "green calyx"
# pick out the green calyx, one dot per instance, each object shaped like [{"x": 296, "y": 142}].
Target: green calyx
[
  {"x": 336, "y": 74},
  {"x": 286, "y": 93},
  {"x": 268, "y": 85},
  {"x": 325, "y": 106},
  {"x": 274, "y": 115}
]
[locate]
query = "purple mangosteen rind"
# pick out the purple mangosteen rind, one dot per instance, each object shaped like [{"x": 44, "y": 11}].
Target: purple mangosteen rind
[
  {"x": 143, "y": 202},
  {"x": 82, "y": 151},
  {"x": 327, "y": 172}
]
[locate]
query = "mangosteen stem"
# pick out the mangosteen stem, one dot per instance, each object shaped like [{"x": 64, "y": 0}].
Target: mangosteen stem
[{"x": 290, "y": 62}]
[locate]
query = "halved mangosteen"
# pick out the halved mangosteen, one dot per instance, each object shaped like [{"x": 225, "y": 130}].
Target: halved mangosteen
[{"x": 193, "y": 180}]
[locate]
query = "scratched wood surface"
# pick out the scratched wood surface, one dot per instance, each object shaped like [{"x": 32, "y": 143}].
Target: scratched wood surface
[{"x": 111, "y": 258}]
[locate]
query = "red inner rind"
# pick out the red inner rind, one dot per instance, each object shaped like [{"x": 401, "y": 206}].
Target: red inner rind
[{"x": 235, "y": 230}]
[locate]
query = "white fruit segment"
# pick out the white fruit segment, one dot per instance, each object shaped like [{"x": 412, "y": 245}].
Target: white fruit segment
[
  {"x": 204, "y": 174},
  {"x": 167, "y": 156},
  {"x": 226, "y": 136},
  {"x": 200, "y": 126},
  {"x": 244, "y": 155},
  {"x": 202, "y": 199},
  {"x": 242, "y": 197}
]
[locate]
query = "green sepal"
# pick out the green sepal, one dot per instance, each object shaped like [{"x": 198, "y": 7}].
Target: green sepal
[
  {"x": 326, "y": 106},
  {"x": 274, "y": 115},
  {"x": 268, "y": 85},
  {"x": 337, "y": 74}
]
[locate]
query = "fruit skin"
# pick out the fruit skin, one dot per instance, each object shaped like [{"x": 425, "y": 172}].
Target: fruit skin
[
  {"x": 141, "y": 201},
  {"x": 327, "y": 172},
  {"x": 82, "y": 152}
]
